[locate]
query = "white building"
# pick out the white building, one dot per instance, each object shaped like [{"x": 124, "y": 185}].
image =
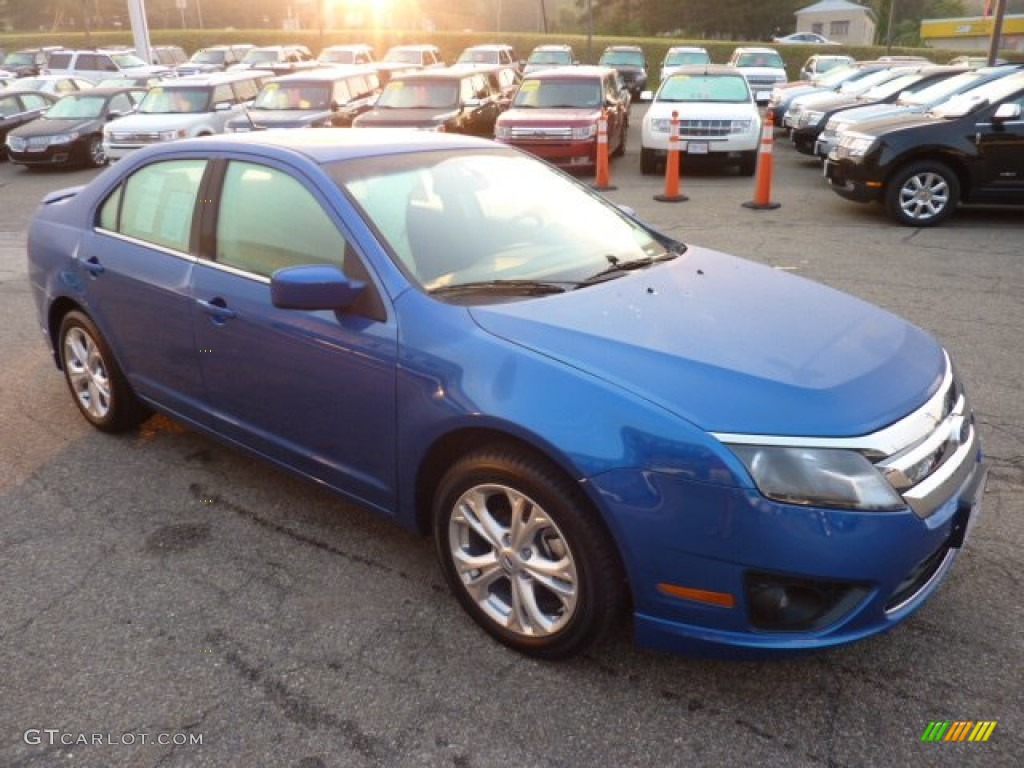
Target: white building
[{"x": 845, "y": 22}]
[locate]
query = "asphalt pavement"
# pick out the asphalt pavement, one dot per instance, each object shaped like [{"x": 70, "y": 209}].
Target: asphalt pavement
[{"x": 167, "y": 601}]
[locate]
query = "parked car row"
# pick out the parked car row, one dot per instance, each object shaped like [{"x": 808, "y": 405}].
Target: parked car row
[{"x": 918, "y": 138}]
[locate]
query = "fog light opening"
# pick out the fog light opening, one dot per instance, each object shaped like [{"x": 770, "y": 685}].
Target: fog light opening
[{"x": 785, "y": 603}]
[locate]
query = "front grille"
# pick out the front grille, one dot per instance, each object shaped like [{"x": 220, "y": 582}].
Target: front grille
[
  {"x": 705, "y": 128},
  {"x": 134, "y": 138},
  {"x": 38, "y": 142},
  {"x": 541, "y": 134}
]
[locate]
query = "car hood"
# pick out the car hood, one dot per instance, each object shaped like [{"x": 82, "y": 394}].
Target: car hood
[
  {"x": 734, "y": 346},
  {"x": 563, "y": 116},
  {"x": 898, "y": 122},
  {"x": 44, "y": 126},
  {"x": 858, "y": 115},
  {"x": 408, "y": 118}
]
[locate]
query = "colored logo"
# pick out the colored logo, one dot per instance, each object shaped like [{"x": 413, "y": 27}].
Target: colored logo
[{"x": 958, "y": 730}]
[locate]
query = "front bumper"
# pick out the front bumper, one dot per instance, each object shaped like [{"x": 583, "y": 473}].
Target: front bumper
[
  {"x": 849, "y": 180},
  {"x": 54, "y": 154},
  {"x": 714, "y": 539},
  {"x": 564, "y": 154}
]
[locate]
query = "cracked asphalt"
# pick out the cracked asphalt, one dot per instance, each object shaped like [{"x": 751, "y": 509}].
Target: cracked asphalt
[{"x": 158, "y": 584}]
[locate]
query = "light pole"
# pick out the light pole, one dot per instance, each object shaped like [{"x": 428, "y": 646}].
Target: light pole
[{"x": 888, "y": 29}]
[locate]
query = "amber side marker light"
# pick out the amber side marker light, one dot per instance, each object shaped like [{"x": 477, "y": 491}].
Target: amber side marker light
[{"x": 721, "y": 599}]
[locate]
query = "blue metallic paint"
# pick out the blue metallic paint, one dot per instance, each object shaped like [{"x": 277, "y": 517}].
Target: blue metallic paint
[{"x": 618, "y": 384}]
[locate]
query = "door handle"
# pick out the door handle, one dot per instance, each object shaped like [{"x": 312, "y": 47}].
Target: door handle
[
  {"x": 93, "y": 266},
  {"x": 217, "y": 309}
]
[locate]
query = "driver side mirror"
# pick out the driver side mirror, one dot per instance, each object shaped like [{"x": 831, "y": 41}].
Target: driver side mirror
[
  {"x": 1005, "y": 112},
  {"x": 313, "y": 287}
]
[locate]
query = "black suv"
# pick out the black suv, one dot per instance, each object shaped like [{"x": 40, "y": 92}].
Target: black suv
[
  {"x": 969, "y": 149},
  {"x": 631, "y": 64},
  {"x": 453, "y": 100}
]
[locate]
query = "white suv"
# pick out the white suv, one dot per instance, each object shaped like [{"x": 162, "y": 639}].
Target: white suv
[
  {"x": 190, "y": 106},
  {"x": 96, "y": 65},
  {"x": 763, "y": 68},
  {"x": 717, "y": 118}
]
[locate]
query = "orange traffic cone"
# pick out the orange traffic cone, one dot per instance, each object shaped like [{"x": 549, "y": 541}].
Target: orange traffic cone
[
  {"x": 672, "y": 193},
  {"x": 763, "y": 181},
  {"x": 601, "y": 174}
]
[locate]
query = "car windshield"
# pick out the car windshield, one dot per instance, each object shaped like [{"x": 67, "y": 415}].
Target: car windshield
[
  {"x": 940, "y": 91},
  {"x": 19, "y": 59},
  {"x": 9, "y": 106},
  {"x": 208, "y": 57},
  {"x": 891, "y": 87},
  {"x": 338, "y": 57},
  {"x": 293, "y": 96},
  {"x": 404, "y": 56},
  {"x": 258, "y": 56},
  {"x": 550, "y": 57},
  {"x": 835, "y": 76},
  {"x": 466, "y": 222},
  {"x": 419, "y": 94},
  {"x": 161, "y": 100},
  {"x": 825, "y": 64},
  {"x": 724, "y": 88},
  {"x": 766, "y": 59},
  {"x": 77, "y": 106},
  {"x": 965, "y": 103},
  {"x": 622, "y": 58},
  {"x": 127, "y": 60},
  {"x": 552, "y": 94},
  {"x": 684, "y": 58},
  {"x": 478, "y": 57}
]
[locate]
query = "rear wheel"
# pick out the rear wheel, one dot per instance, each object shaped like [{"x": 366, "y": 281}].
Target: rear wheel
[
  {"x": 524, "y": 554},
  {"x": 922, "y": 194}
]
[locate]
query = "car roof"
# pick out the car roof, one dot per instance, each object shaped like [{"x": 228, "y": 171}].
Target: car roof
[
  {"x": 214, "y": 78},
  {"x": 754, "y": 49},
  {"x": 446, "y": 73},
  {"x": 23, "y": 91},
  {"x": 706, "y": 69},
  {"x": 582, "y": 72},
  {"x": 327, "y": 145},
  {"x": 106, "y": 91},
  {"x": 687, "y": 49},
  {"x": 624, "y": 48},
  {"x": 414, "y": 47},
  {"x": 326, "y": 74},
  {"x": 489, "y": 47},
  {"x": 553, "y": 47}
]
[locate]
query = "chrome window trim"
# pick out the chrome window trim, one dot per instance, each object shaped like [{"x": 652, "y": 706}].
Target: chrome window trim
[{"x": 139, "y": 241}]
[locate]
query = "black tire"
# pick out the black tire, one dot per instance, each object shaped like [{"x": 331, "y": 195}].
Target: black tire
[
  {"x": 748, "y": 163},
  {"x": 95, "y": 155},
  {"x": 922, "y": 194},
  {"x": 621, "y": 149},
  {"x": 97, "y": 385},
  {"x": 518, "y": 599},
  {"x": 648, "y": 162}
]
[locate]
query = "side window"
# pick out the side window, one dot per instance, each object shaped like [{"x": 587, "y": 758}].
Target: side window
[
  {"x": 88, "y": 61},
  {"x": 60, "y": 61},
  {"x": 245, "y": 90},
  {"x": 341, "y": 93},
  {"x": 120, "y": 103},
  {"x": 105, "y": 64},
  {"x": 34, "y": 101},
  {"x": 110, "y": 209},
  {"x": 465, "y": 90},
  {"x": 261, "y": 212},
  {"x": 223, "y": 93},
  {"x": 159, "y": 202}
]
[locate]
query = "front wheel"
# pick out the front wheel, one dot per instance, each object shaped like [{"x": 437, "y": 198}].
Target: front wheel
[
  {"x": 97, "y": 385},
  {"x": 748, "y": 163},
  {"x": 525, "y": 555},
  {"x": 923, "y": 194},
  {"x": 96, "y": 156}
]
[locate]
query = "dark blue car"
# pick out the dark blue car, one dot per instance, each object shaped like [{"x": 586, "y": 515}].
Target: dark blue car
[{"x": 591, "y": 419}]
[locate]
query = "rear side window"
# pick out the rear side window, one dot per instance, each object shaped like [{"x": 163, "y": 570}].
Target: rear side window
[
  {"x": 156, "y": 204},
  {"x": 60, "y": 61},
  {"x": 246, "y": 90},
  {"x": 341, "y": 92},
  {"x": 223, "y": 93}
]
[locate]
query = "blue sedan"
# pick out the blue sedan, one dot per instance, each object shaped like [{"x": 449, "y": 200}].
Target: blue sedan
[{"x": 592, "y": 420}]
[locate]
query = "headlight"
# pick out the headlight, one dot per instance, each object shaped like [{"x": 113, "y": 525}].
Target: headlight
[
  {"x": 64, "y": 138},
  {"x": 856, "y": 144},
  {"x": 820, "y": 477},
  {"x": 15, "y": 142},
  {"x": 812, "y": 118},
  {"x": 502, "y": 132},
  {"x": 581, "y": 132},
  {"x": 740, "y": 126},
  {"x": 660, "y": 124},
  {"x": 178, "y": 133}
]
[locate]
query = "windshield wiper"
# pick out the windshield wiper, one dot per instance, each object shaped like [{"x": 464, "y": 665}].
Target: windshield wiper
[
  {"x": 619, "y": 267},
  {"x": 518, "y": 287}
]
